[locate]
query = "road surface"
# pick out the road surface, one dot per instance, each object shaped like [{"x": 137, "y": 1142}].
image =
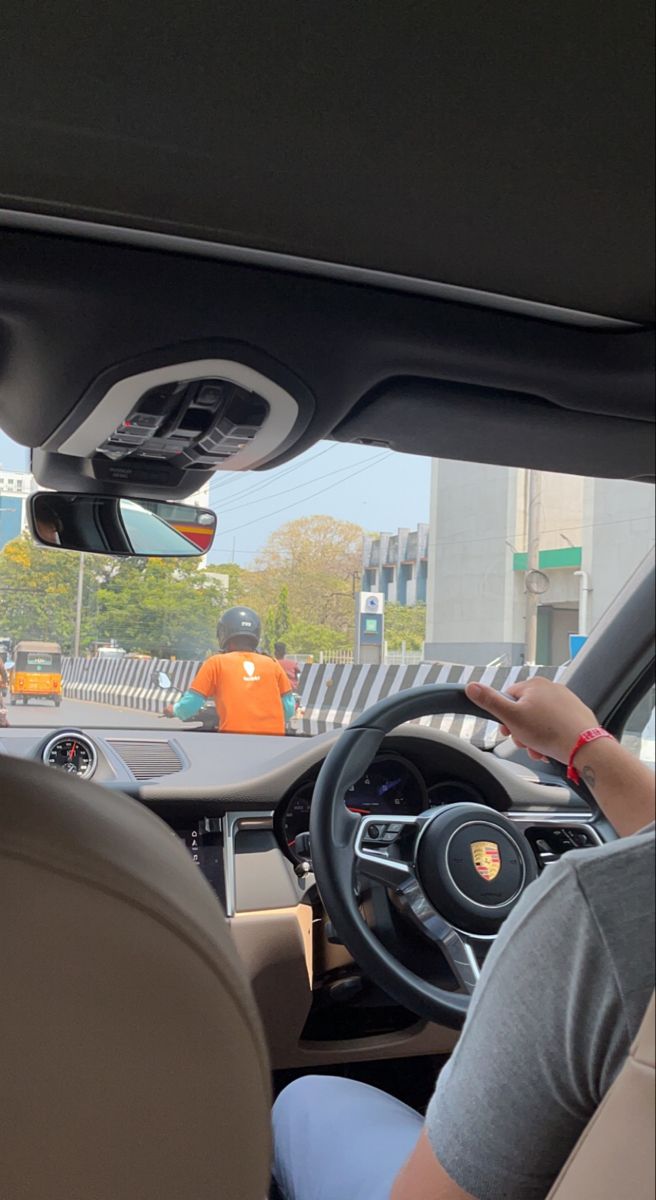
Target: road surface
[{"x": 84, "y": 714}]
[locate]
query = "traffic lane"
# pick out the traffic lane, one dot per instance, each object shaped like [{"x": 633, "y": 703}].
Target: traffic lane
[{"x": 83, "y": 714}]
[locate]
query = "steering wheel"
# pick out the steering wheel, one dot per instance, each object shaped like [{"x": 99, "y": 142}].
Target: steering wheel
[{"x": 453, "y": 872}]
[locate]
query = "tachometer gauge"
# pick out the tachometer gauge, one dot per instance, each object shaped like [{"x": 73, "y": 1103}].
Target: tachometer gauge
[
  {"x": 72, "y": 753},
  {"x": 454, "y": 791}
]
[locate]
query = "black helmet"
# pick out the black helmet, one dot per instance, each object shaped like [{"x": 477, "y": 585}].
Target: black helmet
[{"x": 239, "y": 623}]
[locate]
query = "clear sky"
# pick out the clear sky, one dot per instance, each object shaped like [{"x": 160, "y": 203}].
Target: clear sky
[
  {"x": 375, "y": 488},
  {"x": 12, "y": 457}
]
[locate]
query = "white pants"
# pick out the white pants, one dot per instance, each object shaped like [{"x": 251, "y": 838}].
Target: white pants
[{"x": 335, "y": 1139}]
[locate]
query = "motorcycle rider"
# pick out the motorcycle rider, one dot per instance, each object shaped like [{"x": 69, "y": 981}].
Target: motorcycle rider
[
  {"x": 288, "y": 665},
  {"x": 251, "y": 691}
]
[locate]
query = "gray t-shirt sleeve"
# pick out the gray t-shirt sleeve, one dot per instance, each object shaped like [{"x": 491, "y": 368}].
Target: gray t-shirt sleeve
[{"x": 532, "y": 1064}]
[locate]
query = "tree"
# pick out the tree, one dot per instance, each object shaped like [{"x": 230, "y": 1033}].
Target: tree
[
  {"x": 317, "y": 544},
  {"x": 160, "y": 607},
  {"x": 38, "y": 588},
  {"x": 302, "y": 586},
  {"x": 306, "y": 638},
  {"x": 405, "y": 625},
  {"x": 236, "y": 581},
  {"x": 277, "y": 621},
  {"x": 318, "y": 559}
]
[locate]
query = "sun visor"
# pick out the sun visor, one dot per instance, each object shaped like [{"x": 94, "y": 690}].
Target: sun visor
[{"x": 447, "y": 420}]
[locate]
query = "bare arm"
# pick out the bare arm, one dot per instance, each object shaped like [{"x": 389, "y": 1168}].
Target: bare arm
[
  {"x": 546, "y": 719},
  {"x": 622, "y": 785},
  {"x": 423, "y": 1178}
]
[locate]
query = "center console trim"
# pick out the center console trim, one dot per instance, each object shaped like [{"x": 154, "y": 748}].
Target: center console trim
[{"x": 232, "y": 823}]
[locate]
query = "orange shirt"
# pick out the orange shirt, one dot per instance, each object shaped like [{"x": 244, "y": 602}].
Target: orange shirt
[{"x": 246, "y": 688}]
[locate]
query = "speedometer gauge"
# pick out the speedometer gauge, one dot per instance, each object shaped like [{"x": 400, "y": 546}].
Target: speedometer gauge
[
  {"x": 391, "y": 785},
  {"x": 71, "y": 752}
]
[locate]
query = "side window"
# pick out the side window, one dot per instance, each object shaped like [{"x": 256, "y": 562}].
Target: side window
[{"x": 638, "y": 735}]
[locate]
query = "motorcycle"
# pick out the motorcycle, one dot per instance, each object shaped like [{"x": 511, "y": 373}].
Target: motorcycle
[
  {"x": 299, "y": 712},
  {"x": 205, "y": 721}
]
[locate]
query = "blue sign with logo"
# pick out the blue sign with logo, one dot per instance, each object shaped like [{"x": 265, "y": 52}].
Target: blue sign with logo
[
  {"x": 576, "y": 643},
  {"x": 11, "y": 518},
  {"x": 371, "y": 629}
]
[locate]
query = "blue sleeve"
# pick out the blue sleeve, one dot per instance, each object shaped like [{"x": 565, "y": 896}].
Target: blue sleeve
[
  {"x": 188, "y": 705},
  {"x": 288, "y": 705}
]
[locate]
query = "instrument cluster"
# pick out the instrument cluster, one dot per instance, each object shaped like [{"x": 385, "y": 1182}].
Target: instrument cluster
[{"x": 391, "y": 785}]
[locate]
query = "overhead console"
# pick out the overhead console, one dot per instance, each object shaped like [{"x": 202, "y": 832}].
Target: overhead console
[
  {"x": 166, "y": 430},
  {"x": 200, "y": 424}
]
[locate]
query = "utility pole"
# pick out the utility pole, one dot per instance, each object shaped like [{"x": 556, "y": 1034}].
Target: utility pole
[
  {"x": 78, "y": 609},
  {"x": 585, "y": 588},
  {"x": 533, "y": 564}
]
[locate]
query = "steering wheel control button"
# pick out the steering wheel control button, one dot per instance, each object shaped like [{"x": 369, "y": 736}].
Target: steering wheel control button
[
  {"x": 473, "y": 866},
  {"x": 381, "y": 832}
]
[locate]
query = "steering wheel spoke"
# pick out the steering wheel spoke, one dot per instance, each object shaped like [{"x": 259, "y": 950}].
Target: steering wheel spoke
[
  {"x": 385, "y": 854},
  {"x": 456, "y": 947},
  {"x": 384, "y": 849}
]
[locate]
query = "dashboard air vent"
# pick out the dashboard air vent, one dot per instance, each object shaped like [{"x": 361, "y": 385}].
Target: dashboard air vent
[{"x": 147, "y": 760}]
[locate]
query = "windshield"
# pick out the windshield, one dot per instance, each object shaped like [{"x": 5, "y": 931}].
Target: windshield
[
  {"x": 39, "y": 662},
  {"x": 369, "y": 571}
]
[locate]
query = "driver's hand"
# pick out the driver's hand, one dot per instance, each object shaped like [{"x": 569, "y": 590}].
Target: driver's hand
[
  {"x": 544, "y": 718},
  {"x": 167, "y": 711}
]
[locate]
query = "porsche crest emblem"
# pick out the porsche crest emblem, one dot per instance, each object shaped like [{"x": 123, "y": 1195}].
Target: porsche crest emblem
[{"x": 487, "y": 859}]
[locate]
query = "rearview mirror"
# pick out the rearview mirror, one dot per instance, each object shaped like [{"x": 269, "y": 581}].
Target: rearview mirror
[
  {"x": 163, "y": 681},
  {"x": 119, "y": 526}
]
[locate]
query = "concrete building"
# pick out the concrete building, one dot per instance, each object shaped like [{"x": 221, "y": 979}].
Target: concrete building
[
  {"x": 396, "y": 564},
  {"x": 15, "y": 487},
  {"x": 592, "y": 536}
]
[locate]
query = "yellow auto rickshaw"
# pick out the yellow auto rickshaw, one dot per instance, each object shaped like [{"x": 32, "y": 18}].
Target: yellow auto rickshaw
[{"x": 36, "y": 673}]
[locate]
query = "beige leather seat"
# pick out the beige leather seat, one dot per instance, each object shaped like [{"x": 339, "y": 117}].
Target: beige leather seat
[
  {"x": 614, "y": 1158},
  {"x": 132, "y": 1062}
]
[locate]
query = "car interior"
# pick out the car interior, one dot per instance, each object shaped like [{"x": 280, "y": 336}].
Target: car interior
[{"x": 227, "y": 233}]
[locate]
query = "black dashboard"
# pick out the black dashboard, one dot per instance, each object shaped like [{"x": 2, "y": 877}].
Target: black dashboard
[
  {"x": 240, "y": 802},
  {"x": 416, "y": 767}
]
